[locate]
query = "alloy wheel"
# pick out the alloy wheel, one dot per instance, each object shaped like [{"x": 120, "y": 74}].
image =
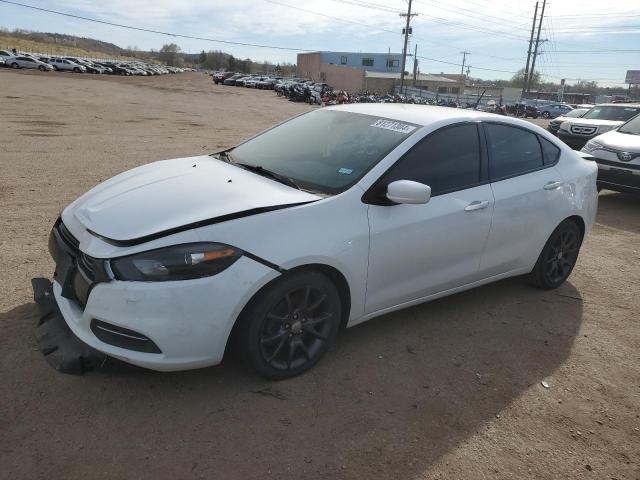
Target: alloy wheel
[
  {"x": 294, "y": 331},
  {"x": 562, "y": 256}
]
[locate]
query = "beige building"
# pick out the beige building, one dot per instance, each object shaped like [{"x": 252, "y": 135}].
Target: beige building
[
  {"x": 382, "y": 82},
  {"x": 370, "y": 72}
]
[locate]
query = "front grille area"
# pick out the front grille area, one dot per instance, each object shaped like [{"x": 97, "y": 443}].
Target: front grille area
[
  {"x": 123, "y": 337},
  {"x": 583, "y": 129},
  {"x": 76, "y": 271},
  {"x": 68, "y": 237}
]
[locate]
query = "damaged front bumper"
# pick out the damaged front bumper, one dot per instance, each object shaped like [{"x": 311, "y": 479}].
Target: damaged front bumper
[{"x": 62, "y": 349}]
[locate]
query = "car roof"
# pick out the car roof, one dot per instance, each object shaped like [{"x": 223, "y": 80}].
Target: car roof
[
  {"x": 428, "y": 114},
  {"x": 619, "y": 104}
]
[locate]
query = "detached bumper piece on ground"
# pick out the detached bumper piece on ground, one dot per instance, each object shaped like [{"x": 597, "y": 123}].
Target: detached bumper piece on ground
[{"x": 61, "y": 348}]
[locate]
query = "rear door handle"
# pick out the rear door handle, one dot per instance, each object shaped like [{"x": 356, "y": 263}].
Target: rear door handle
[
  {"x": 477, "y": 205},
  {"x": 552, "y": 185}
]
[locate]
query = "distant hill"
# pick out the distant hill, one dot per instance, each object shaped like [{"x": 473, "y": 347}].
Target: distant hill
[
  {"x": 58, "y": 44},
  {"x": 69, "y": 45}
]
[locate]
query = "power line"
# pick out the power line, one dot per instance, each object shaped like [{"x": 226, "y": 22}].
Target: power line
[
  {"x": 177, "y": 35},
  {"x": 331, "y": 17}
]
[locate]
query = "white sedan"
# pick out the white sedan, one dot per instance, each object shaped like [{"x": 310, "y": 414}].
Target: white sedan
[{"x": 324, "y": 221}]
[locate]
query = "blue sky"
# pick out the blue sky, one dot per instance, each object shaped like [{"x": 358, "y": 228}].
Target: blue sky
[{"x": 494, "y": 31}]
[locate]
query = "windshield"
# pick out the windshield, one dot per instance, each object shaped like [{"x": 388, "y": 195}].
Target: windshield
[
  {"x": 632, "y": 126},
  {"x": 578, "y": 112},
  {"x": 325, "y": 150},
  {"x": 610, "y": 112}
]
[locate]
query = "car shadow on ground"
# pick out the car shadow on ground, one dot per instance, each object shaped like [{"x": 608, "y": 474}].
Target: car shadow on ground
[
  {"x": 392, "y": 397},
  {"x": 619, "y": 210}
]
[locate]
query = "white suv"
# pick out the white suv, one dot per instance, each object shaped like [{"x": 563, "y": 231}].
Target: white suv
[
  {"x": 576, "y": 132},
  {"x": 618, "y": 156}
]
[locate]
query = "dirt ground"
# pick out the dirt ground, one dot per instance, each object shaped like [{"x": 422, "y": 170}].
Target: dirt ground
[{"x": 447, "y": 390}]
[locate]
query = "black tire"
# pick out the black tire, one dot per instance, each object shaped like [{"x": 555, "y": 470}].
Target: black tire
[
  {"x": 546, "y": 115},
  {"x": 15, "y": 65},
  {"x": 41, "y": 68},
  {"x": 55, "y": 68},
  {"x": 289, "y": 326},
  {"x": 76, "y": 69},
  {"x": 558, "y": 257}
]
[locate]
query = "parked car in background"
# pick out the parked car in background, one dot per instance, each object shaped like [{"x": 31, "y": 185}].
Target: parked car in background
[
  {"x": 527, "y": 111},
  {"x": 386, "y": 206},
  {"x": 87, "y": 65},
  {"x": 242, "y": 80},
  {"x": 618, "y": 156},
  {"x": 554, "y": 110},
  {"x": 117, "y": 68},
  {"x": 220, "y": 77},
  {"x": 576, "y": 132},
  {"x": 22, "y": 61},
  {"x": 554, "y": 124},
  {"x": 62, "y": 64}
]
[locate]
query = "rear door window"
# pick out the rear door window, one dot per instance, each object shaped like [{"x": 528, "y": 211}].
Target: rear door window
[{"x": 512, "y": 151}]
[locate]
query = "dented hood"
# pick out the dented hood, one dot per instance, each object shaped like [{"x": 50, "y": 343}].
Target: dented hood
[{"x": 166, "y": 195}]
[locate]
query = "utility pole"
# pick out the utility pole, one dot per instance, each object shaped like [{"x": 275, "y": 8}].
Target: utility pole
[
  {"x": 406, "y": 40},
  {"x": 415, "y": 65},
  {"x": 464, "y": 60},
  {"x": 535, "y": 52},
  {"x": 526, "y": 69}
]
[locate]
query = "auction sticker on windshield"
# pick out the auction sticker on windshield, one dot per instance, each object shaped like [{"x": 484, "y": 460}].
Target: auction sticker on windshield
[{"x": 393, "y": 126}]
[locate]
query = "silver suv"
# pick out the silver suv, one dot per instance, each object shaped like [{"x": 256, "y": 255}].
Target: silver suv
[
  {"x": 618, "y": 156},
  {"x": 62, "y": 64},
  {"x": 576, "y": 132}
]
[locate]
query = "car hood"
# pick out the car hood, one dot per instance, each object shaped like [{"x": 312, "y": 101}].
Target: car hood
[
  {"x": 620, "y": 141},
  {"x": 592, "y": 122},
  {"x": 164, "y": 196}
]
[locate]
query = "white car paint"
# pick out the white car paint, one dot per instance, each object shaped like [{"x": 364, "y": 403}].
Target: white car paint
[{"x": 389, "y": 256}]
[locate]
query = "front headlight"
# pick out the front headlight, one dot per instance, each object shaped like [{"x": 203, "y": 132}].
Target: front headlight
[
  {"x": 564, "y": 126},
  {"x": 591, "y": 146},
  {"x": 606, "y": 128},
  {"x": 178, "y": 262}
]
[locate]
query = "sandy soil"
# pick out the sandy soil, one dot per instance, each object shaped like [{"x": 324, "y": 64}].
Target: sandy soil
[{"x": 450, "y": 389}]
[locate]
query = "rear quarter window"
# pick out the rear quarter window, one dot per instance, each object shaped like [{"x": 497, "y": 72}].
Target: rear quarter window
[{"x": 550, "y": 152}]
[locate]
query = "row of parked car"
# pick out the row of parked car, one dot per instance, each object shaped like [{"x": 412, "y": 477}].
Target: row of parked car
[
  {"x": 81, "y": 65},
  {"x": 264, "y": 82}
]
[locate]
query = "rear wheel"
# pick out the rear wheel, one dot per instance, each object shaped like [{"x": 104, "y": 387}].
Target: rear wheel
[
  {"x": 546, "y": 115},
  {"x": 558, "y": 257},
  {"x": 289, "y": 327}
]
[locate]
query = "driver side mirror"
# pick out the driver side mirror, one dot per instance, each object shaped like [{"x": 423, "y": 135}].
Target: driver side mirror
[{"x": 408, "y": 192}]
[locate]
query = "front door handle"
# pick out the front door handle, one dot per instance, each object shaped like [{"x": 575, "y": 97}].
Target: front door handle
[
  {"x": 477, "y": 205},
  {"x": 552, "y": 185}
]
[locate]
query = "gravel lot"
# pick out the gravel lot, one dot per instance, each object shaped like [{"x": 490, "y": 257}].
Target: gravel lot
[{"x": 449, "y": 390}]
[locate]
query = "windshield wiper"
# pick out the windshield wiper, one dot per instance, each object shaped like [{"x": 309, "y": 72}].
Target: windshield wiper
[{"x": 260, "y": 170}]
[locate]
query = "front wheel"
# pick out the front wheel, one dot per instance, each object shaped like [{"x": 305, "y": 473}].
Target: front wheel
[
  {"x": 76, "y": 69},
  {"x": 558, "y": 257},
  {"x": 546, "y": 115},
  {"x": 15, "y": 65},
  {"x": 41, "y": 68},
  {"x": 289, "y": 326}
]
